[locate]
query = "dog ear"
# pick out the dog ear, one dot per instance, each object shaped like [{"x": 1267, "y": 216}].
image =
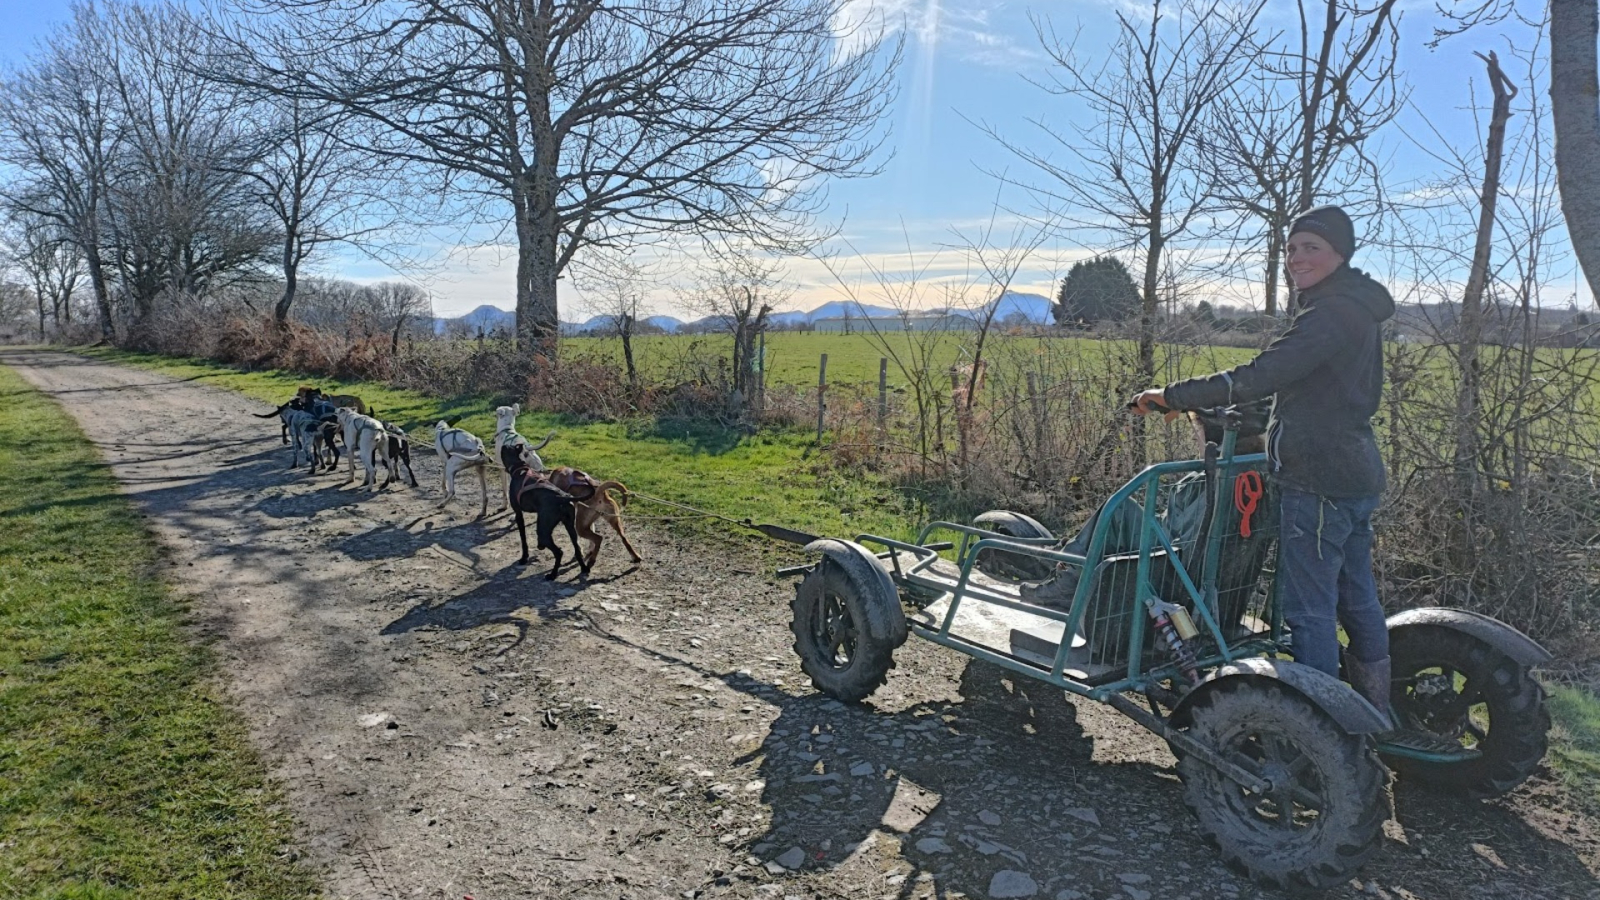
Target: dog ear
[
  {"x": 516, "y": 409},
  {"x": 452, "y": 421}
]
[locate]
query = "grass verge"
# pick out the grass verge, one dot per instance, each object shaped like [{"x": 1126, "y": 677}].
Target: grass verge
[
  {"x": 122, "y": 773},
  {"x": 1575, "y": 744},
  {"x": 773, "y": 476}
]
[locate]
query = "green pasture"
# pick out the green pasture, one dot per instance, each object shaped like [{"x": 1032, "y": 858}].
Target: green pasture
[
  {"x": 122, "y": 771},
  {"x": 774, "y": 476},
  {"x": 794, "y": 357}
]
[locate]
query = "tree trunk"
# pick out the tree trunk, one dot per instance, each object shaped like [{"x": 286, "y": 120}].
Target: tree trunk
[
  {"x": 1275, "y": 241},
  {"x": 627, "y": 355},
  {"x": 102, "y": 293},
  {"x": 1147, "y": 310},
  {"x": 1467, "y": 395},
  {"x": 537, "y": 322},
  {"x": 291, "y": 280},
  {"x": 1575, "y": 113}
]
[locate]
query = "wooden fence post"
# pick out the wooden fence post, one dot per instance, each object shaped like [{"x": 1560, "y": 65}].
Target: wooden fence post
[
  {"x": 883, "y": 392},
  {"x": 1037, "y": 408},
  {"x": 822, "y": 388}
]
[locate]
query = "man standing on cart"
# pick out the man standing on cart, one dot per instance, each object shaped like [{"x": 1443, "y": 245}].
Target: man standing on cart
[{"x": 1327, "y": 374}]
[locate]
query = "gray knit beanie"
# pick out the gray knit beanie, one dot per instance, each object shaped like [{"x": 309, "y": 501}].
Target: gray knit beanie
[{"x": 1332, "y": 225}]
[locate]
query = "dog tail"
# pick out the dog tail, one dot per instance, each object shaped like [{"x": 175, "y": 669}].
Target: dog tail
[
  {"x": 540, "y": 445},
  {"x": 618, "y": 486},
  {"x": 275, "y": 413}
]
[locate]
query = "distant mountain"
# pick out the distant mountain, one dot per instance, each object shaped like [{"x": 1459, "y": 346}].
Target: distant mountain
[
  {"x": 1033, "y": 307},
  {"x": 838, "y": 308},
  {"x": 486, "y": 317},
  {"x": 607, "y": 324},
  {"x": 788, "y": 319}
]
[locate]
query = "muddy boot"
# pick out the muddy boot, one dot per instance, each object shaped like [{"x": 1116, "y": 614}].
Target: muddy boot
[
  {"x": 1372, "y": 681},
  {"x": 1055, "y": 592}
]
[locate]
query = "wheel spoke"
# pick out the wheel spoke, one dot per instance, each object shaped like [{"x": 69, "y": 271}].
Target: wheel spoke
[
  {"x": 1306, "y": 797},
  {"x": 1285, "y": 805},
  {"x": 1460, "y": 705},
  {"x": 1299, "y": 766}
]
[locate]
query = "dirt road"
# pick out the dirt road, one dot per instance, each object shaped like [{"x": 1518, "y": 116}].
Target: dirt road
[{"x": 447, "y": 725}]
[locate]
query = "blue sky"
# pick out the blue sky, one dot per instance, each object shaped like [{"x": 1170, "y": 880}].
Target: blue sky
[{"x": 966, "y": 60}]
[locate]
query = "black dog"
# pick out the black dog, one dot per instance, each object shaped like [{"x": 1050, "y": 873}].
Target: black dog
[
  {"x": 551, "y": 506},
  {"x": 317, "y": 437},
  {"x": 399, "y": 450}
]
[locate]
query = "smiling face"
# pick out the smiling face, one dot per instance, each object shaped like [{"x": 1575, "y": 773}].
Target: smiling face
[{"x": 1310, "y": 259}]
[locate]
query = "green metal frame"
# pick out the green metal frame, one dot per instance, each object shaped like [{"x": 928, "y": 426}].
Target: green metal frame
[{"x": 1152, "y": 535}]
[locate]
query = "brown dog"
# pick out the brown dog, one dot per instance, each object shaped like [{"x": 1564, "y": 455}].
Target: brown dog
[
  {"x": 599, "y": 505},
  {"x": 308, "y": 395}
]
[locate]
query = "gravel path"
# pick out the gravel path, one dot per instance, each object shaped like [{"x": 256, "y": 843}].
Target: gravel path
[{"x": 446, "y": 725}]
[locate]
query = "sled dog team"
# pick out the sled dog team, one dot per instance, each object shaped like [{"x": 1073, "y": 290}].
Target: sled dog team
[{"x": 314, "y": 423}]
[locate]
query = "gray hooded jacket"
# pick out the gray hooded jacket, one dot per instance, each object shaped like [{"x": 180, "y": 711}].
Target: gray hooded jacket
[{"x": 1327, "y": 373}]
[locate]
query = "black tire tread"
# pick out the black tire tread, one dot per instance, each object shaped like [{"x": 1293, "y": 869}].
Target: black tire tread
[
  {"x": 869, "y": 669},
  {"x": 1364, "y": 779},
  {"x": 1519, "y": 722}
]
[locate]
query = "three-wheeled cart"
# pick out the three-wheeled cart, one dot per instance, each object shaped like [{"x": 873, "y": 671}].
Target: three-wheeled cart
[{"x": 1172, "y": 619}]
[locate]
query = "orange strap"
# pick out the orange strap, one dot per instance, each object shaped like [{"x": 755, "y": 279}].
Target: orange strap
[{"x": 1247, "y": 491}]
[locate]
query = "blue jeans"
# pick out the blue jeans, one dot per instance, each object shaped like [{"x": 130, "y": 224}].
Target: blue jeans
[{"x": 1325, "y": 579}]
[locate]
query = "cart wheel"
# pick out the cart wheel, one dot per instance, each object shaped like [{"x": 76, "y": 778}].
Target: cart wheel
[
  {"x": 832, "y": 638},
  {"x": 1323, "y": 818},
  {"x": 1012, "y": 566},
  {"x": 1458, "y": 687}
]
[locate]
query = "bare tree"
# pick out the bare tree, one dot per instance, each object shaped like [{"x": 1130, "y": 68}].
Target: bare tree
[
  {"x": 740, "y": 286},
  {"x": 58, "y": 131},
  {"x": 396, "y": 304},
  {"x": 1130, "y": 169},
  {"x": 50, "y": 265},
  {"x": 179, "y": 217},
  {"x": 321, "y": 185},
  {"x": 597, "y": 124},
  {"x": 1478, "y": 275},
  {"x": 1292, "y": 129},
  {"x": 617, "y": 285}
]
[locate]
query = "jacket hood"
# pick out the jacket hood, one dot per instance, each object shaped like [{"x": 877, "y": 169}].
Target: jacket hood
[{"x": 1351, "y": 282}]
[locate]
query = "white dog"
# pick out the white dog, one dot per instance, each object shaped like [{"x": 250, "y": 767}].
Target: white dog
[
  {"x": 505, "y": 435},
  {"x": 365, "y": 437},
  {"x": 460, "y": 449}
]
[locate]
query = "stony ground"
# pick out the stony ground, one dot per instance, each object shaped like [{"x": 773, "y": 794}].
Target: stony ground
[{"x": 447, "y": 725}]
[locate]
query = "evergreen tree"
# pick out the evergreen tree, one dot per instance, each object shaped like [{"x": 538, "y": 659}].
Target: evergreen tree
[{"x": 1096, "y": 290}]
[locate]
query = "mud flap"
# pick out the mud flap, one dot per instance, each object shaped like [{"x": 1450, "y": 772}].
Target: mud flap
[
  {"x": 1339, "y": 700},
  {"x": 1013, "y": 523},
  {"x": 886, "y": 621},
  {"x": 1502, "y": 637}
]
